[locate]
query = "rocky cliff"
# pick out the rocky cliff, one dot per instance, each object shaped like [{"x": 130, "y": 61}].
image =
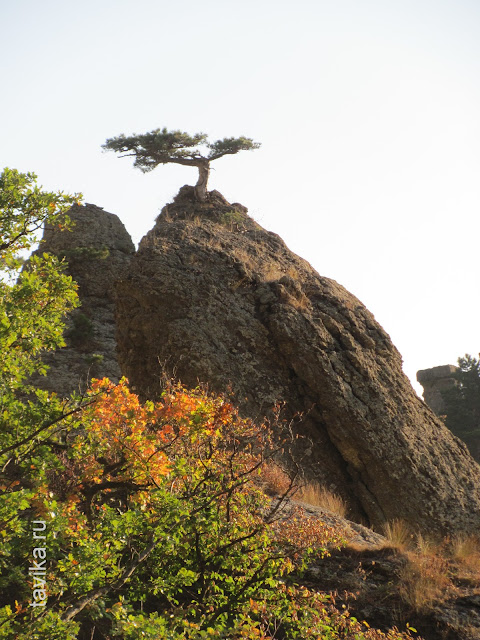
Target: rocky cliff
[
  {"x": 211, "y": 296},
  {"x": 438, "y": 384},
  {"x": 434, "y": 382},
  {"x": 97, "y": 251}
]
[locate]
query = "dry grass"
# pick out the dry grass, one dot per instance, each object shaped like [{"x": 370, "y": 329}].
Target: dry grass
[
  {"x": 398, "y": 535},
  {"x": 293, "y": 273},
  {"x": 433, "y": 569},
  {"x": 424, "y": 581},
  {"x": 465, "y": 550},
  {"x": 272, "y": 273},
  {"x": 300, "y": 302},
  {"x": 248, "y": 259},
  {"x": 465, "y": 547},
  {"x": 319, "y": 496},
  {"x": 194, "y": 221},
  {"x": 425, "y": 545},
  {"x": 214, "y": 243},
  {"x": 274, "y": 480}
]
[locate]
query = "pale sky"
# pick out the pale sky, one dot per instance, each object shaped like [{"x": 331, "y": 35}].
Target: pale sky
[{"x": 367, "y": 111}]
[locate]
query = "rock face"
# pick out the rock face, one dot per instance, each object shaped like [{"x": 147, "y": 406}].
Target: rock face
[
  {"x": 434, "y": 381},
  {"x": 211, "y": 296},
  {"x": 97, "y": 251}
]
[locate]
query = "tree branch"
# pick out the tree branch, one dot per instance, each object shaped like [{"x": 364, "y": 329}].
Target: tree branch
[
  {"x": 45, "y": 426},
  {"x": 93, "y": 595}
]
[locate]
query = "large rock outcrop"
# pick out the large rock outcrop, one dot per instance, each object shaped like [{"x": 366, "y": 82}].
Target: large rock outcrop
[
  {"x": 211, "y": 296},
  {"x": 435, "y": 382},
  {"x": 97, "y": 251}
]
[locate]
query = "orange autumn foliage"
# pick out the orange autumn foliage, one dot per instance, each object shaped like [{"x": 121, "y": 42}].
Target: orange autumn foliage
[
  {"x": 121, "y": 435},
  {"x": 128, "y": 441}
]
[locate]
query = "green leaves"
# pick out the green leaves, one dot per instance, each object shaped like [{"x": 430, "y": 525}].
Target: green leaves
[
  {"x": 25, "y": 208},
  {"x": 226, "y": 146},
  {"x": 161, "y": 146},
  {"x": 155, "y": 526},
  {"x": 156, "y": 147},
  {"x": 31, "y": 322},
  {"x": 33, "y": 305}
]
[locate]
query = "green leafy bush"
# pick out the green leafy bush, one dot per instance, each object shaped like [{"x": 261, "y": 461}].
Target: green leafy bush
[
  {"x": 152, "y": 521},
  {"x": 85, "y": 254}
]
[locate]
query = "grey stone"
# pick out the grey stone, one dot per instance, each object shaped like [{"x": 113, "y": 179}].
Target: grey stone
[
  {"x": 434, "y": 382},
  {"x": 97, "y": 251},
  {"x": 230, "y": 305}
]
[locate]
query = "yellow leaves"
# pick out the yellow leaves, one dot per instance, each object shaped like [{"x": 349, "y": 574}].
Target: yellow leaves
[
  {"x": 253, "y": 606},
  {"x": 119, "y": 430},
  {"x": 179, "y": 407},
  {"x": 186, "y": 435}
]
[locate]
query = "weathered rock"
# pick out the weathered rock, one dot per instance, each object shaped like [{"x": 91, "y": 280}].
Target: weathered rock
[
  {"x": 376, "y": 580},
  {"x": 370, "y": 581},
  {"x": 97, "y": 250},
  {"x": 437, "y": 382},
  {"x": 211, "y": 296},
  {"x": 434, "y": 382}
]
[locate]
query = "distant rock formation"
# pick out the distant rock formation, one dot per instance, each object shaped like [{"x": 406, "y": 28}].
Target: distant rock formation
[
  {"x": 211, "y": 296},
  {"x": 97, "y": 250},
  {"x": 434, "y": 382},
  {"x": 438, "y": 380}
]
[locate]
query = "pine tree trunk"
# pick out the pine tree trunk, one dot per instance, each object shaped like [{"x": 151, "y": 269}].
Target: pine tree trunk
[{"x": 201, "y": 186}]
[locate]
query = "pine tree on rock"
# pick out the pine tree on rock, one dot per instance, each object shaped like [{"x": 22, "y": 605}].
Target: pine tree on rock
[{"x": 161, "y": 146}]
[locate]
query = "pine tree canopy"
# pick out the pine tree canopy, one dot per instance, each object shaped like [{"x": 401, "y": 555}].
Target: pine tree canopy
[{"x": 161, "y": 146}]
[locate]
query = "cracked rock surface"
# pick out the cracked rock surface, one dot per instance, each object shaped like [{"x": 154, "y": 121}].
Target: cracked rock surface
[
  {"x": 212, "y": 297},
  {"x": 96, "y": 250}
]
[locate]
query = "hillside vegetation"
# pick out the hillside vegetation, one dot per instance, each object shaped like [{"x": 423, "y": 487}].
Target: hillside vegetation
[
  {"x": 130, "y": 520},
  {"x": 177, "y": 517}
]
